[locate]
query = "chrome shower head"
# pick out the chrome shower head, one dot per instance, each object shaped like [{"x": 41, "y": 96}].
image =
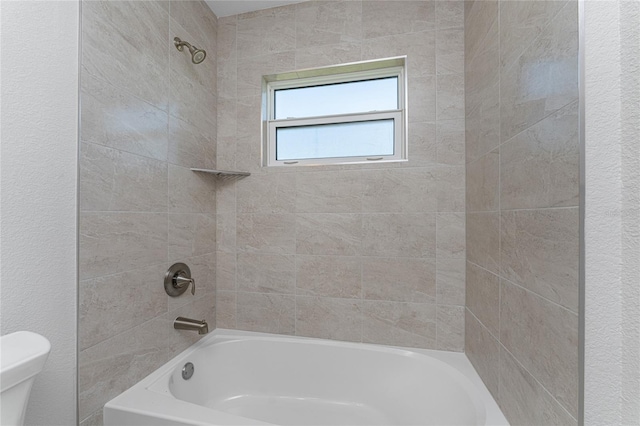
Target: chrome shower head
[{"x": 197, "y": 55}]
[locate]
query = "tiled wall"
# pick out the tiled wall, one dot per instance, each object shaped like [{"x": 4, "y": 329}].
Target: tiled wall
[
  {"x": 521, "y": 75},
  {"x": 147, "y": 115},
  {"x": 371, "y": 253}
]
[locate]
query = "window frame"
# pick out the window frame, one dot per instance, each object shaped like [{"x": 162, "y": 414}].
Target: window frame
[{"x": 353, "y": 72}]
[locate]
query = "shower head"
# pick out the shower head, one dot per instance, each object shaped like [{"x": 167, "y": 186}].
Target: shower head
[{"x": 197, "y": 55}]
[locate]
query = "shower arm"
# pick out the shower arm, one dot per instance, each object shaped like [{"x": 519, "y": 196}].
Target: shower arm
[{"x": 180, "y": 44}]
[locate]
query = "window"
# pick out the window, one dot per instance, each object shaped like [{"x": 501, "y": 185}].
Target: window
[{"x": 353, "y": 113}]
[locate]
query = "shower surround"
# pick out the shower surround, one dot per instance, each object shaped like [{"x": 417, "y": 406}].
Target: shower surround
[
  {"x": 364, "y": 253},
  {"x": 521, "y": 73},
  {"x": 148, "y": 114},
  {"x": 372, "y": 253}
]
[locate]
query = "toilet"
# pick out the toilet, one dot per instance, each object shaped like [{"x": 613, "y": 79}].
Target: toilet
[{"x": 23, "y": 355}]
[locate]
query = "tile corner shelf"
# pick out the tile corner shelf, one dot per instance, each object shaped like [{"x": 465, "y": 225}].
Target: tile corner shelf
[{"x": 223, "y": 173}]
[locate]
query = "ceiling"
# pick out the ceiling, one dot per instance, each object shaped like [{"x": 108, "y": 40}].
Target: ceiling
[{"x": 233, "y": 7}]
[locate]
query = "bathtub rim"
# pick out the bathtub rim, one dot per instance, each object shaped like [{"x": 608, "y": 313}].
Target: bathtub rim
[{"x": 144, "y": 396}]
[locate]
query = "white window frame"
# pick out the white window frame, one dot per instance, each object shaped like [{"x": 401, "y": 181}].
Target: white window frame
[{"x": 359, "y": 71}]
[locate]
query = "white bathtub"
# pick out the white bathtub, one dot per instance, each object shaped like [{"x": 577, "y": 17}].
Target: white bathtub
[{"x": 244, "y": 378}]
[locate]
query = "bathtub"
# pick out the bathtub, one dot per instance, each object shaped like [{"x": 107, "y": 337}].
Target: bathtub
[{"x": 245, "y": 378}]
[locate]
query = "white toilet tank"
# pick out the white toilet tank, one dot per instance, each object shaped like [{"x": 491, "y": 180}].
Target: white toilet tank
[{"x": 23, "y": 355}]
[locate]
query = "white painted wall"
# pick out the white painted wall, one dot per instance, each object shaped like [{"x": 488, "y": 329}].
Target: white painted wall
[
  {"x": 38, "y": 193},
  {"x": 612, "y": 240}
]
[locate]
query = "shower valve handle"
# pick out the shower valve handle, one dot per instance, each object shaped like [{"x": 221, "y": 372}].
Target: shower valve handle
[
  {"x": 181, "y": 282},
  {"x": 177, "y": 280}
]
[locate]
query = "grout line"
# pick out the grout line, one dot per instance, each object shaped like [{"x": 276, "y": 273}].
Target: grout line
[
  {"x": 500, "y": 5},
  {"x": 544, "y": 389},
  {"x": 555, "y": 111},
  {"x": 521, "y": 287}
]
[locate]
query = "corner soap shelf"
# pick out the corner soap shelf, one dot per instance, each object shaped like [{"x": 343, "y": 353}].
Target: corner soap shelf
[{"x": 224, "y": 174}]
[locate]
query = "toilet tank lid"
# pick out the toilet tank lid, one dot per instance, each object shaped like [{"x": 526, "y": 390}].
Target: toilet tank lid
[{"x": 22, "y": 355}]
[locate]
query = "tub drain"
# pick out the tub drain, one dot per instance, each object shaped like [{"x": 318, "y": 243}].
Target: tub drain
[{"x": 187, "y": 371}]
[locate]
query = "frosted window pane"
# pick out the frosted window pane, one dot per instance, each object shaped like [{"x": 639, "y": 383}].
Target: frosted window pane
[
  {"x": 339, "y": 98},
  {"x": 358, "y": 139}
]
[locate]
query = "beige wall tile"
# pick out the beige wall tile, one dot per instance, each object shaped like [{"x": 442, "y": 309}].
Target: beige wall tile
[
  {"x": 480, "y": 17},
  {"x": 422, "y": 98},
  {"x": 399, "y": 190},
  {"x": 266, "y": 31},
  {"x": 338, "y": 319},
  {"x": 540, "y": 166},
  {"x": 450, "y": 51},
  {"x": 422, "y": 144},
  {"x": 450, "y": 282},
  {"x": 252, "y": 68},
  {"x": 267, "y": 313},
  {"x": 483, "y": 240},
  {"x": 482, "y": 105},
  {"x": 540, "y": 251},
  {"x": 131, "y": 37},
  {"x": 328, "y": 234},
  {"x": 450, "y": 103},
  {"x": 111, "y": 304},
  {"x": 483, "y": 350},
  {"x": 450, "y": 142},
  {"x": 521, "y": 23},
  {"x": 194, "y": 103},
  {"x": 483, "y": 183},
  {"x": 399, "y": 324},
  {"x": 449, "y": 14},
  {"x": 94, "y": 419},
  {"x": 226, "y": 153},
  {"x": 191, "y": 192},
  {"x": 266, "y": 273},
  {"x": 138, "y": 159},
  {"x": 266, "y": 233},
  {"x": 117, "y": 242},
  {"x": 544, "y": 338},
  {"x": 554, "y": 56},
  {"x": 399, "y": 279},
  {"x": 227, "y": 125},
  {"x": 483, "y": 297},
  {"x": 450, "y": 233},
  {"x": 384, "y": 18},
  {"x": 112, "y": 180},
  {"x": 190, "y": 146},
  {"x": 112, "y": 366},
  {"x": 522, "y": 399},
  {"x": 450, "y": 187},
  {"x": 405, "y": 234},
  {"x": 226, "y": 267},
  {"x": 227, "y": 56},
  {"x": 191, "y": 235},
  {"x": 268, "y": 193},
  {"x": 328, "y": 276},
  {"x": 330, "y": 54},
  {"x": 226, "y": 232},
  {"x": 420, "y": 49},
  {"x": 327, "y": 192},
  {"x": 226, "y": 309},
  {"x": 322, "y": 23},
  {"x": 226, "y": 198},
  {"x": 450, "y": 328},
  {"x": 141, "y": 130},
  {"x": 249, "y": 118}
]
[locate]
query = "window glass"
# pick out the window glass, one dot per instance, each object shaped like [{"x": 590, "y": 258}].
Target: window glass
[
  {"x": 338, "y": 98},
  {"x": 356, "y": 139}
]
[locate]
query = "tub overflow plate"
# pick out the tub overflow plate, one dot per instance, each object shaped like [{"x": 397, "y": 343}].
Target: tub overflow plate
[{"x": 187, "y": 371}]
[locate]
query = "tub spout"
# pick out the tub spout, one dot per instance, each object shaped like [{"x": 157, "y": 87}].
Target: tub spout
[{"x": 182, "y": 323}]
